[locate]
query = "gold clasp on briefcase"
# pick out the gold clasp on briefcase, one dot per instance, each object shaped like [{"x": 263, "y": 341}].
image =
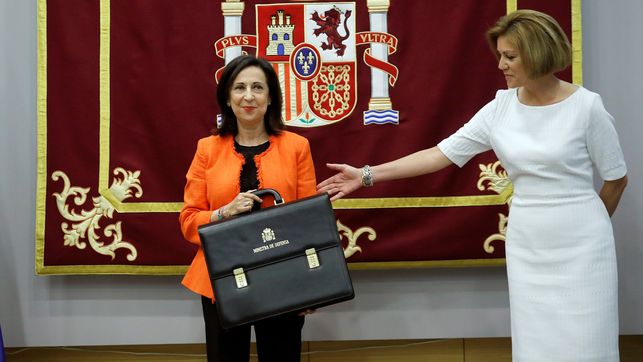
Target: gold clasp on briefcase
[
  {"x": 313, "y": 261},
  {"x": 240, "y": 277}
]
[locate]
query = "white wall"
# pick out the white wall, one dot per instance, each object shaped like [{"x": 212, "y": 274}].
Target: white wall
[
  {"x": 613, "y": 67},
  {"x": 390, "y": 304}
]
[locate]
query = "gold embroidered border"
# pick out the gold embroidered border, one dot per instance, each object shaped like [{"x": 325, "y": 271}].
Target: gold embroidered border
[
  {"x": 41, "y": 176},
  {"x": 512, "y": 5},
  {"x": 426, "y": 264},
  {"x": 104, "y": 114},
  {"x": 181, "y": 269},
  {"x": 114, "y": 269},
  {"x": 577, "y": 43},
  {"x": 406, "y": 202}
]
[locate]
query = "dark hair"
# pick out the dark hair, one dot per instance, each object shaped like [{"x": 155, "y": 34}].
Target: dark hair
[
  {"x": 538, "y": 38},
  {"x": 272, "y": 119}
]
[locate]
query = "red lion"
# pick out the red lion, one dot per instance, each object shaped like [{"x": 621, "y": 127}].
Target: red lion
[{"x": 328, "y": 24}]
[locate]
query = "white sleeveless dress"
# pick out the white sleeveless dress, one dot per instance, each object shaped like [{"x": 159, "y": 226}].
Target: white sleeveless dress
[{"x": 561, "y": 262}]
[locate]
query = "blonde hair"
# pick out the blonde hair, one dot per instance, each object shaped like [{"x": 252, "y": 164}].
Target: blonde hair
[{"x": 539, "y": 39}]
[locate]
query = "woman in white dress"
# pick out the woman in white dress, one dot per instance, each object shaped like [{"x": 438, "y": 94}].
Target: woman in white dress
[{"x": 549, "y": 135}]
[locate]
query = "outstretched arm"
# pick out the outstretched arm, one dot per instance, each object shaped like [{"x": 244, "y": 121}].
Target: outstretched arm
[
  {"x": 611, "y": 193},
  {"x": 349, "y": 178}
]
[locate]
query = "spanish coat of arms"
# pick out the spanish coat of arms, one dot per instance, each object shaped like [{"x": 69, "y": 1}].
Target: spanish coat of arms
[{"x": 313, "y": 48}]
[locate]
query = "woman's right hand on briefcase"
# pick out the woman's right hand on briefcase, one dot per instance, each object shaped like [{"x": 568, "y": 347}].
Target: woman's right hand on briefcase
[{"x": 241, "y": 203}]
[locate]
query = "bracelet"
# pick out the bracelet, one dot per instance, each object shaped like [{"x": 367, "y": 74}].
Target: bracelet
[
  {"x": 220, "y": 213},
  {"x": 367, "y": 176}
]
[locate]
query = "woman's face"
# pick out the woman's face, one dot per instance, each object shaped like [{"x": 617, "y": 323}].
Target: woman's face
[
  {"x": 510, "y": 63},
  {"x": 249, "y": 96}
]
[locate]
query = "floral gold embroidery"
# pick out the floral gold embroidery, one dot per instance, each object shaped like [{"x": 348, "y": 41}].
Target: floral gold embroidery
[
  {"x": 83, "y": 226},
  {"x": 352, "y": 247},
  {"x": 498, "y": 181}
]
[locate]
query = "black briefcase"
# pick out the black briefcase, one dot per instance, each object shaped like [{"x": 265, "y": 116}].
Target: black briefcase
[{"x": 280, "y": 259}]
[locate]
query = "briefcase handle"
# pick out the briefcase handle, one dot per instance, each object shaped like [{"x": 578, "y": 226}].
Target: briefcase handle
[{"x": 273, "y": 192}]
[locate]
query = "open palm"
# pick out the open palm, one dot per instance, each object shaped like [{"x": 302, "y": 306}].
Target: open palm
[{"x": 346, "y": 180}]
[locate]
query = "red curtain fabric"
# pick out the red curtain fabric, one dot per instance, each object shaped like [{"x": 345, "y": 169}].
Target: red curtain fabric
[{"x": 126, "y": 88}]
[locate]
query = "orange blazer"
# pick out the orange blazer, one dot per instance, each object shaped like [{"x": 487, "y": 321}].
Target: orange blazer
[{"x": 213, "y": 181}]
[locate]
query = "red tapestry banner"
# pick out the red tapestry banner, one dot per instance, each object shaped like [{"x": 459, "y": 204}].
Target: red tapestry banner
[{"x": 127, "y": 87}]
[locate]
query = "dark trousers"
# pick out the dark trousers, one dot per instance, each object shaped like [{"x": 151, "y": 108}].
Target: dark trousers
[{"x": 278, "y": 338}]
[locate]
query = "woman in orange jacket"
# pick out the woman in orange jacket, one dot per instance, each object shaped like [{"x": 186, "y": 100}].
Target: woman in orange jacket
[{"x": 249, "y": 150}]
